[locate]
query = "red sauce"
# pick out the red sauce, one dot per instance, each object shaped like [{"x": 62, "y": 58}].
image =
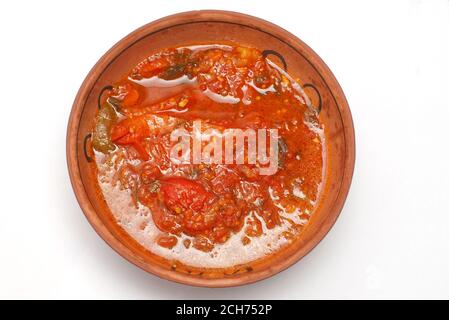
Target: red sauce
[{"x": 225, "y": 87}]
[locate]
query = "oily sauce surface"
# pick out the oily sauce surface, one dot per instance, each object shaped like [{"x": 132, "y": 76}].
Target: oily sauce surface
[{"x": 185, "y": 211}]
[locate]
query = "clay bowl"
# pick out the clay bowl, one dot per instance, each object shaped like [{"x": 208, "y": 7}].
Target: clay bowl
[{"x": 200, "y": 27}]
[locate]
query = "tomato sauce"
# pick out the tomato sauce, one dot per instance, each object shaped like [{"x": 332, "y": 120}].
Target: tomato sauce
[{"x": 207, "y": 214}]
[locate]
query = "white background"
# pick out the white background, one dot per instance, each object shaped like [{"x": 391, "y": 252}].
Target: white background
[{"x": 392, "y": 238}]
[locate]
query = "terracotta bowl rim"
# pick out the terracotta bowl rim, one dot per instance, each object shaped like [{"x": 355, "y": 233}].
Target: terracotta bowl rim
[{"x": 203, "y": 16}]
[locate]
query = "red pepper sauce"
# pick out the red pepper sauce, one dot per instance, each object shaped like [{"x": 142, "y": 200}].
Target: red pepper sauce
[{"x": 224, "y": 87}]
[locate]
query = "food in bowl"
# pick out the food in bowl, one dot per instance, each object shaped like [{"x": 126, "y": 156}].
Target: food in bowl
[{"x": 159, "y": 142}]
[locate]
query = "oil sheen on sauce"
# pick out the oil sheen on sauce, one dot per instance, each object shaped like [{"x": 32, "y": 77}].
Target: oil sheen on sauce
[{"x": 293, "y": 192}]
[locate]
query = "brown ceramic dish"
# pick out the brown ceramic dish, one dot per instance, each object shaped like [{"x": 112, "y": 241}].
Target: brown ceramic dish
[{"x": 201, "y": 27}]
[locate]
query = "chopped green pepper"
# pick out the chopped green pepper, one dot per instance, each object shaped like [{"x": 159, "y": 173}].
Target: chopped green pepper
[{"x": 101, "y": 138}]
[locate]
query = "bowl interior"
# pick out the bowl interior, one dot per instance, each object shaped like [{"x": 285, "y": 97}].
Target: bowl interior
[{"x": 202, "y": 28}]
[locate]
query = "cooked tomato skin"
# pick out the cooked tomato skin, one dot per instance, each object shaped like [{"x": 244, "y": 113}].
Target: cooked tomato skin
[
  {"x": 189, "y": 199},
  {"x": 132, "y": 131},
  {"x": 126, "y": 93},
  {"x": 165, "y": 220},
  {"x": 185, "y": 193}
]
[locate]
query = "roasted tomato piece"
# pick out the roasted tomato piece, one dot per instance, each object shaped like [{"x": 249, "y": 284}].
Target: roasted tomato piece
[
  {"x": 132, "y": 131},
  {"x": 181, "y": 194},
  {"x": 126, "y": 94}
]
